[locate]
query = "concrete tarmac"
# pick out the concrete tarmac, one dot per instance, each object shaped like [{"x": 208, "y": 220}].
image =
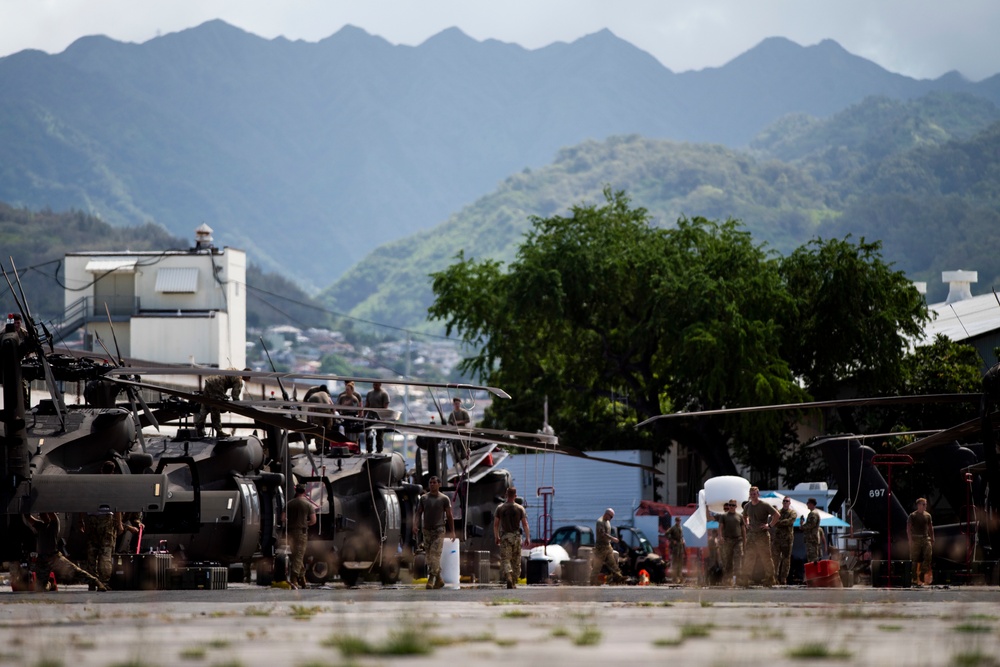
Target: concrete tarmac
[{"x": 490, "y": 625}]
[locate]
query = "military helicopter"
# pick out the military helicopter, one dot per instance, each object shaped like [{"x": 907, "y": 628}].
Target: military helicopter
[{"x": 962, "y": 474}]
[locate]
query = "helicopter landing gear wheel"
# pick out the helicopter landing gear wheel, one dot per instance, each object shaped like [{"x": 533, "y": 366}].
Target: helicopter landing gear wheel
[
  {"x": 389, "y": 574},
  {"x": 318, "y": 571},
  {"x": 349, "y": 576}
]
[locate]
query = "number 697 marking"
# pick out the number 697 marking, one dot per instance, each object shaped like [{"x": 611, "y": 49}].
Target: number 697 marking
[{"x": 876, "y": 493}]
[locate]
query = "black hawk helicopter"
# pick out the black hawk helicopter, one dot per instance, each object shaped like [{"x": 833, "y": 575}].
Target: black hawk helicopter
[{"x": 963, "y": 472}]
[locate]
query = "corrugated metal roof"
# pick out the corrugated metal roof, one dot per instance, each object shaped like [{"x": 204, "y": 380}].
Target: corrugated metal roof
[
  {"x": 108, "y": 265},
  {"x": 964, "y": 319},
  {"x": 177, "y": 280}
]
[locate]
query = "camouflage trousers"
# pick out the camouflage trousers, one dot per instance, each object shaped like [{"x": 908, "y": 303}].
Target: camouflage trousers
[
  {"x": 732, "y": 559},
  {"x": 812, "y": 551},
  {"x": 677, "y": 565},
  {"x": 921, "y": 551},
  {"x": 66, "y": 570},
  {"x": 297, "y": 541},
  {"x": 604, "y": 555},
  {"x": 781, "y": 556},
  {"x": 433, "y": 543},
  {"x": 510, "y": 556},
  {"x": 101, "y": 536},
  {"x": 758, "y": 551}
]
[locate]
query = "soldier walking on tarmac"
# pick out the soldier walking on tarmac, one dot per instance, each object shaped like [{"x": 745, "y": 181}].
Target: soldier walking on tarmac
[
  {"x": 299, "y": 515},
  {"x": 435, "y": 509},
  {"x": 508, "y": 520},
  {"x": 784, "y": 536},
  {"x": 604, "y": 555},
  {"x": 677, "y": 551},
  {"x": 920, "y": 531}
]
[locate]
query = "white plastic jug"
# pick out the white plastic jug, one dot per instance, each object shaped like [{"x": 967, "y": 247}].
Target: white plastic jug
[{"x": 450, "y": 563}]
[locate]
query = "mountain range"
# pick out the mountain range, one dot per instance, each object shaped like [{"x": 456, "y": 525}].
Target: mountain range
[{"x": 312, "y": 155}]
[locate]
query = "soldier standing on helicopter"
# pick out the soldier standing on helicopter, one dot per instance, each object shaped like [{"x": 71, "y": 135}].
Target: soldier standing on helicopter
[
  {"x": 434, "y": 508},
  {"x": 218, "y": 387}
]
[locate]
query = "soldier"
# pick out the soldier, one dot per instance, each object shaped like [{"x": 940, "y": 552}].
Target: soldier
[
  {"x": 46, "y": 529},
  {"x": 677, "y": 551},
  {"x": 734, "y": 536},
  {"x": 131, "y": 523},
  {"x": 784, "y": 536},
  {"x": 920, "y": 531},
  {"x": 219, "y": 388},
  {"x": 321, "y": 396},
  {"x": 102, "y": 529},
  {"x": 760, "y": 518},
  {"x": 459, "y": 416},
  {"x": 299, "y": 515},
  {"x": 434, "y": 508},
  {"x": 350, "y": 398},
  {"x": 508, "y": 519},
  {"x": 811, "y": 531},
  {"x": 377, "y": 399},
  {"x": 603, "y": 553}
]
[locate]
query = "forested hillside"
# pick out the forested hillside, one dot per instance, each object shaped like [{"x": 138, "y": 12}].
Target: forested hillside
[{"x": 921, "y": 175}]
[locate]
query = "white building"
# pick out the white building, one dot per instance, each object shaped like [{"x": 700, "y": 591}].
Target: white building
[{"x": 176, "y": 306}]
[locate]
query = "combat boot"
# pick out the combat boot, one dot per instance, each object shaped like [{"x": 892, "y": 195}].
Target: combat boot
[
  {"x": 430, "y": 582},
  {"x": 510, "y": 581},
  {"x": 438, "y": 582}
]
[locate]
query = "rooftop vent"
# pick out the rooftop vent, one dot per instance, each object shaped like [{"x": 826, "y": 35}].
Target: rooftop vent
[
  {"x": 203, "y": 237},
  {"x": 959, "y": 283}
]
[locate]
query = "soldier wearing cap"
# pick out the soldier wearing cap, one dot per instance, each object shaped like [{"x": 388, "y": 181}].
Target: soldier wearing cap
[
  {"x": 784, "y": 536},
  {"x": 299, "y": 515},
  {"x": 811, "y": 532}
]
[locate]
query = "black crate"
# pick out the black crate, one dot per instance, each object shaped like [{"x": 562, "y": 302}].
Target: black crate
[
  {"x": 901, "y": 575},
  {"x": 538, "y": 572},
  {"x": 199, "y": 577},
  {"x": 135, "y": 572}
]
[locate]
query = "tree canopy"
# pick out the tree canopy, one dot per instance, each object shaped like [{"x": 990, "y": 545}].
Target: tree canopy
[{"x": 615, "y": 320}]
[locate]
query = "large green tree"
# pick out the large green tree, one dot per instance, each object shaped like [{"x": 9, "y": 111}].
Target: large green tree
[{"x": 615, "y": 320}]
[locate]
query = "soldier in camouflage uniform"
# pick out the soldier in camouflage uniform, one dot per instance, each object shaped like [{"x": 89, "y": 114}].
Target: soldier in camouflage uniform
[
  {"x": 733, "y": 530},
  {"x": 101, "y": 529},
  {"x": 677, "y": 551},
  {"x": 604, "y": 555},
  {"x": 508, "y": 519},
  {"x": 46, "y": 529},
  {"x": 219, "y": 388},
  {"x": 784, "y": 536},
  {"x": 434, "y": 508},
  {"x": 920, "y": 531},
  {"x": 811, "y": 532},
  {"x": 760, "y": 518}
]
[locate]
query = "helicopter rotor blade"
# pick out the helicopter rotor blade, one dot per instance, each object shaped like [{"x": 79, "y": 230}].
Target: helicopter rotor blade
[
  {"x": 37, "y": 344},
  {"x": 839, "y": 403},
  {"x": 271, "y": 375}
]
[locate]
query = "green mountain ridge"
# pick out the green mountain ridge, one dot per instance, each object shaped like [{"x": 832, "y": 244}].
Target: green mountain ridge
[{"x": 883, "y": 169}]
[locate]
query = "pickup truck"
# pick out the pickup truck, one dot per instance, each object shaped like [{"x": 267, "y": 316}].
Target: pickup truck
[{"x": 635, "y": 552}]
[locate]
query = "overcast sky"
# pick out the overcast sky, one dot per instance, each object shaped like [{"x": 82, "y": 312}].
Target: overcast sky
[{"x": 919, "y": 38}]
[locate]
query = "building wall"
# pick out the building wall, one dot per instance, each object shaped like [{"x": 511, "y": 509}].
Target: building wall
[
  {"x": 583, "y": 488},
  {"x": 206, "y": 325}
]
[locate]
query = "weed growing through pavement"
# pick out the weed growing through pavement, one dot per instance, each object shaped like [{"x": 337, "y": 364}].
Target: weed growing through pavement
[
  {"x": 257, "y": 611},
  {"x": 971, "y": 628},
  {"x": 818, "y": 651},
  {"x": 589, "y": 636},
  {"x": 696, "y": 630},
  {"x": 559, "y": 631},
  {"x": 496, "y": 602},
  {"x": 303, "y": 613},
  {"x": 515, "y": 613},
  {"x": 973, "y": 659},
  {"x": 194, "y": 653}
]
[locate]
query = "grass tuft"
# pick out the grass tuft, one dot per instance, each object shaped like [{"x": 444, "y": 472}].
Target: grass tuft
[
  {"x": 818, "y": 651},
  {"x": 589, "y": 636}
]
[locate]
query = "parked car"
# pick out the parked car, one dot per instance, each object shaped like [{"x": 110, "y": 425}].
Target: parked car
[{"x": 635, "y": 551}]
